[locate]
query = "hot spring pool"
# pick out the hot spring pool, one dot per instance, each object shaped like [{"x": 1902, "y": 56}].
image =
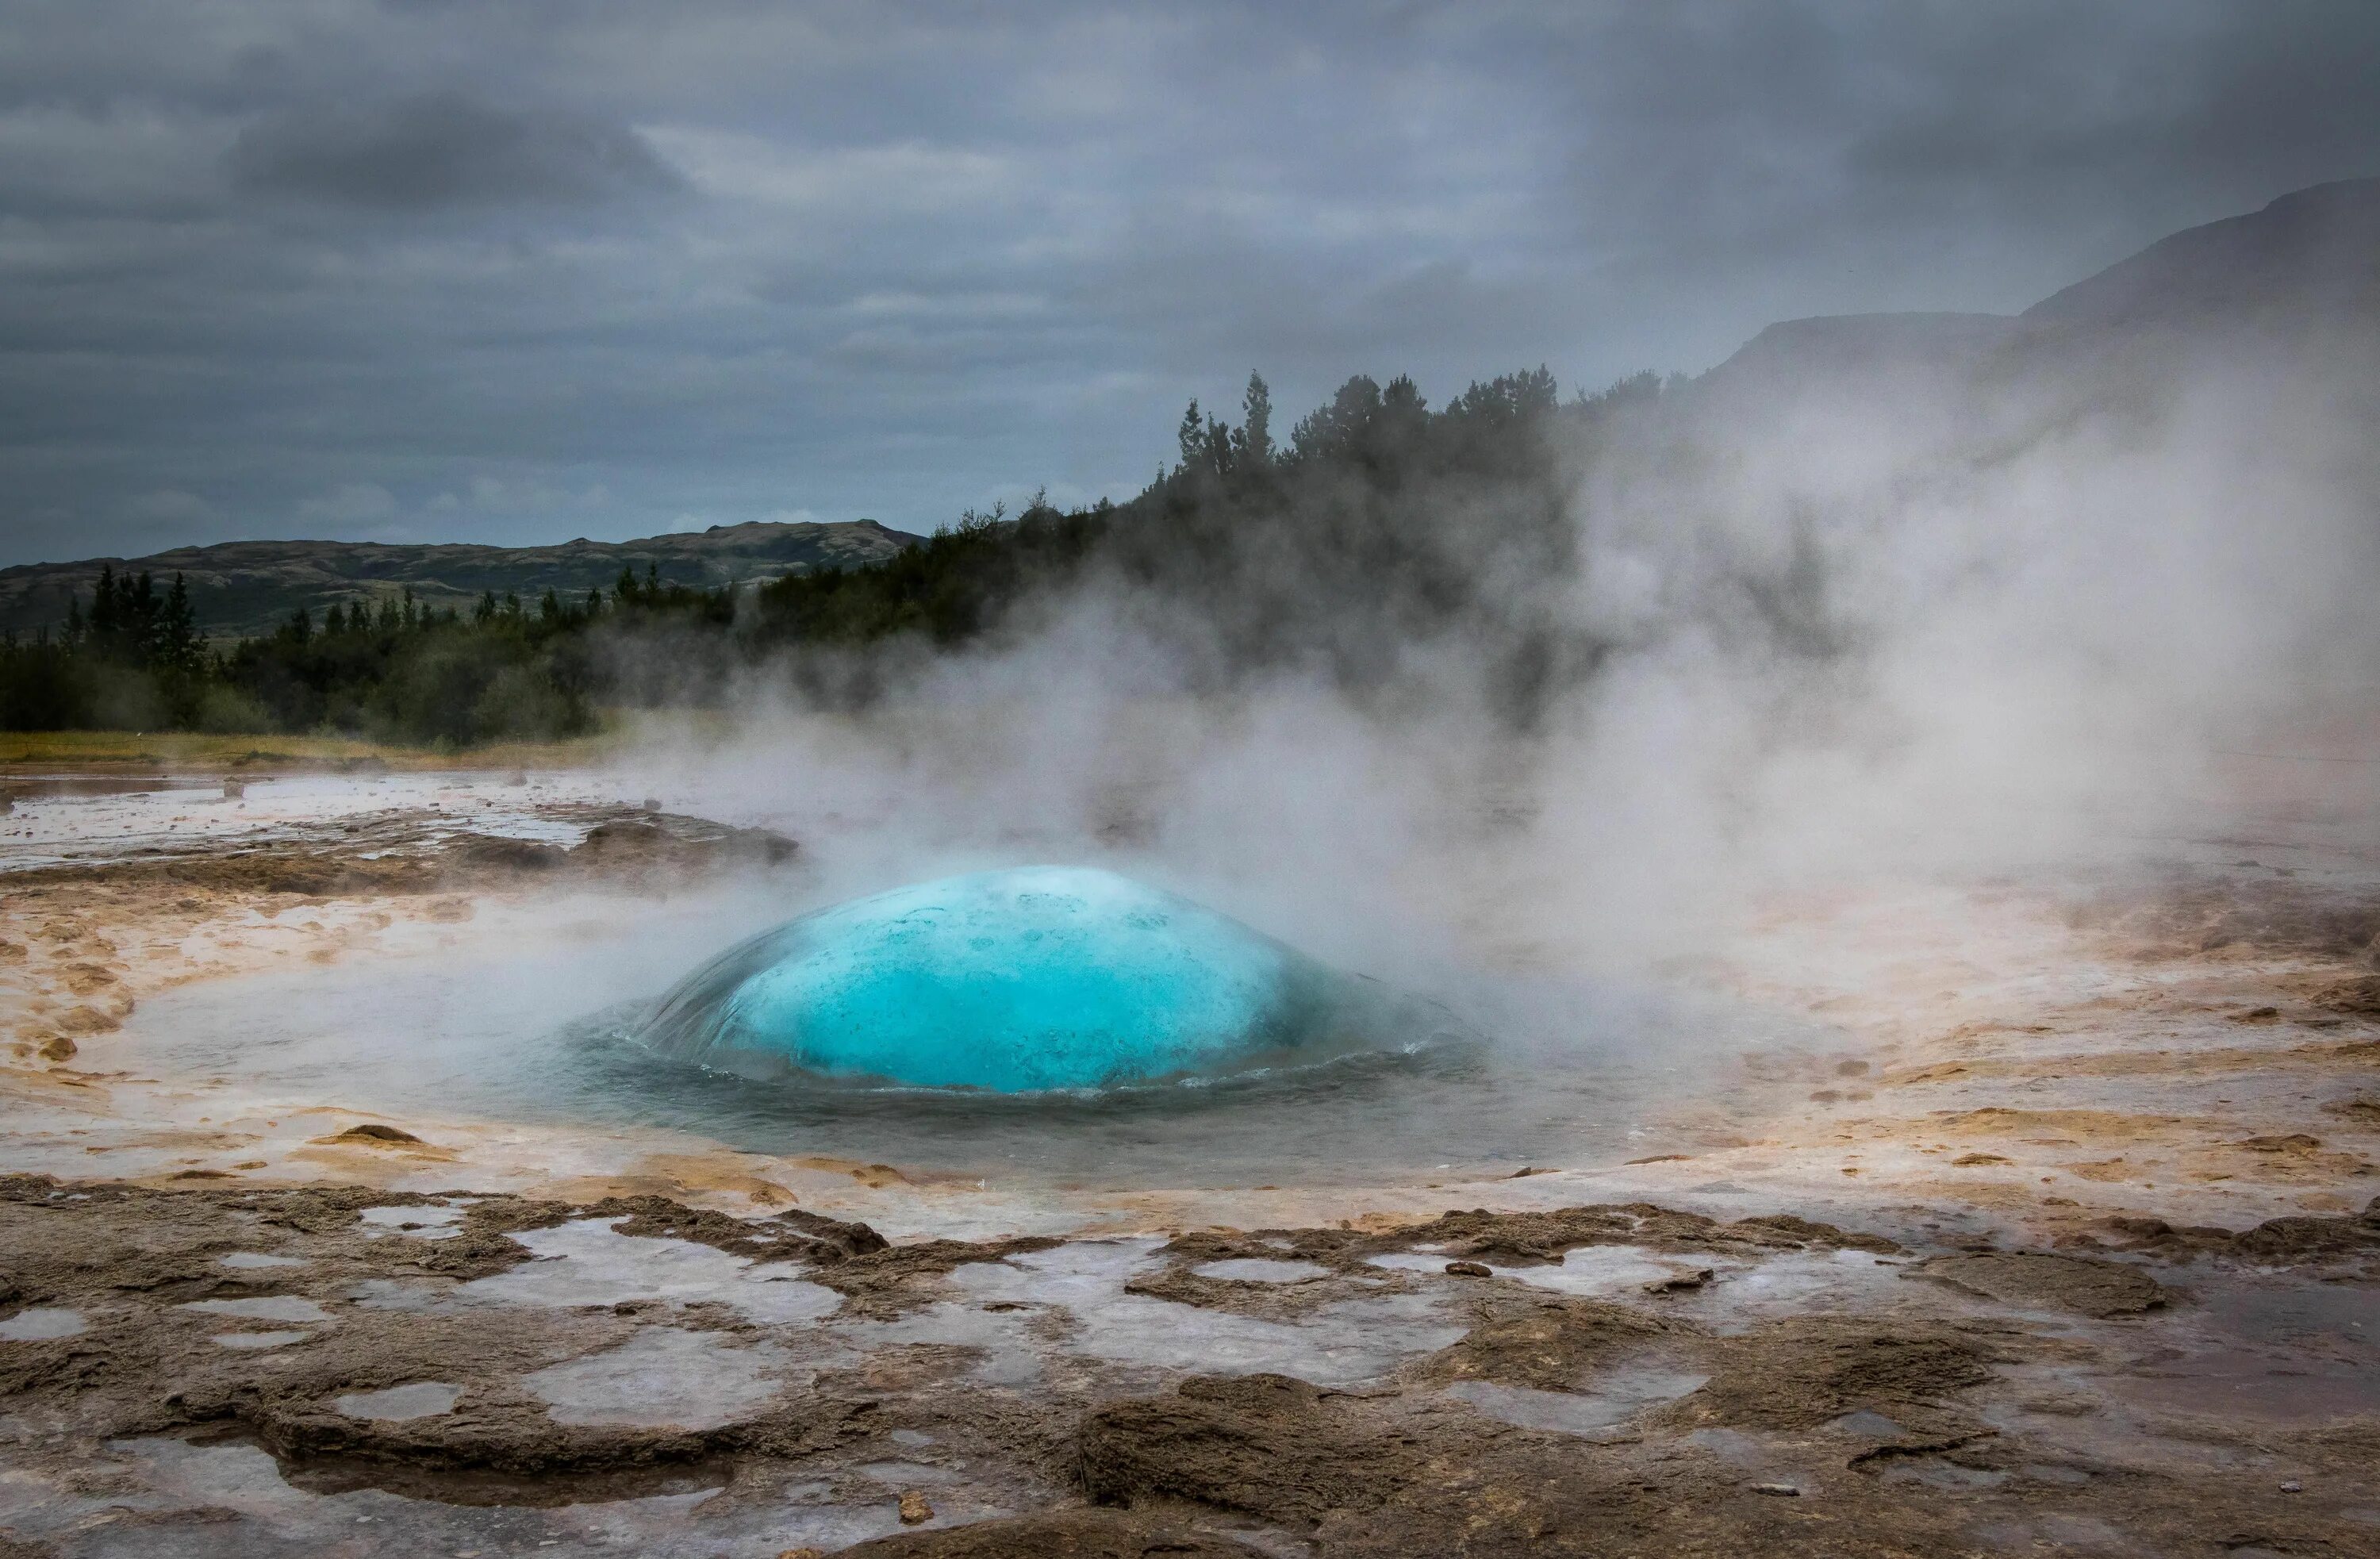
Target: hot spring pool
[
  {"x": 545, "y": 1016},
  {"x": 1024, "y": 981}
]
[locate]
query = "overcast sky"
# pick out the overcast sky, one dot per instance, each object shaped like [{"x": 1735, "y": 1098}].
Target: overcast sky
[{"x": 443, "y": 270}]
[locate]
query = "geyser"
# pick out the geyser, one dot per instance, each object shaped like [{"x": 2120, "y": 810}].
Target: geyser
[{"x": 1034, "y": 979}]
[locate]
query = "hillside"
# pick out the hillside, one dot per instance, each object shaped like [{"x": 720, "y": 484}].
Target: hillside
[
  {"x": 242, "y": 588},
  {"x": 2309, "y": 261},
  {"x": 2312, "y": 254}
]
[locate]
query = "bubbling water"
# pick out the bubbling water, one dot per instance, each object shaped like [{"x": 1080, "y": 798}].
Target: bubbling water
[{"x": 1032, "y": 980}]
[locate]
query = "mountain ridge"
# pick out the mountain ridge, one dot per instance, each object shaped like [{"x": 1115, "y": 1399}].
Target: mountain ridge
[
  {"x": 2288, "y": 275},
  {"x": 243, "y": 588}
]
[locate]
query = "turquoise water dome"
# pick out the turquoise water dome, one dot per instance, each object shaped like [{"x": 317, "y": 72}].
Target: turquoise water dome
[{"x": 1039, "y": 977}]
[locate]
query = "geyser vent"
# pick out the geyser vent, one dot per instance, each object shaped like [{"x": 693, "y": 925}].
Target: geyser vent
[{"x": 1034, "y": 979}]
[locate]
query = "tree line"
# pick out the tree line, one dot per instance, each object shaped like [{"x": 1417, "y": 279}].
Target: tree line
[{"x": 1378, "y": 531}]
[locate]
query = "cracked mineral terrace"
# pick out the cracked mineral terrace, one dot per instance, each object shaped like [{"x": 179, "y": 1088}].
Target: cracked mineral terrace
[{"x": 2049, "y": 1224}]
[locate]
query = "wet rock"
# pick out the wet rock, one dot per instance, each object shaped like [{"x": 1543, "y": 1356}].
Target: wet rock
[
  {"x": 85, "y": 979},
  {"x": 791, "y": 1235},
  {"x": 1544, "y": 1344},
  {"x": 1391, "y": 1478},
  {"x": 2364, "y": 1109},
  {"x": 2294, "y": 1144},
  {"x": 409, "y": 852},
  {"x": 420, "y": 1388},
  {"x": 1543, "y": 1239},
  {"x": 1468, "y": 1269},
  {"x": 1069, "y": 1534},
  {"x": 891, "y": 1280},
  {"x": 2279, "y": 1241},
  {"x": 2189, "y": 917},
  {"x": 1263, "y": 1286},
  {"x": 1803, "y": 1372},
  {"x": 1261, "y": 1445},
  {"x": 486, "y": 855},
  {"x": 1516, "y": 1239},
  {"x": 663, "y": 843},
  {"x": 1682, "y": 1283},
  {"x": 89, "y": 1020},
  {"x": 2039, "y": 1280},
  {"x": 370, "y": 1132},
  {"x": 1343, "y": 1249},
  {"x": 1785, "y": 1231},
  {"x": 311, "y": 870},
  {"x": 2358, "y": 997},
  {"x": 507, "y": 1429}
]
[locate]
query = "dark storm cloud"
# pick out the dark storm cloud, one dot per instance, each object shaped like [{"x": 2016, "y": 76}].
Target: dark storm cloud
[
  {"x": 443, "y": 149},
  {"x": 563, "y": 266}
]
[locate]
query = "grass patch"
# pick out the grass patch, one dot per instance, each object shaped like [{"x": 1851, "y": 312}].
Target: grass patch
[{"x": 173, "y": 750}]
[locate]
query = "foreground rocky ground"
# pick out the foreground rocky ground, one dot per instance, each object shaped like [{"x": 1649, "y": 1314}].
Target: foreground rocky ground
[
  {"x": 2063, "y": 1237},
  {"x": 226, "y": 1371}
]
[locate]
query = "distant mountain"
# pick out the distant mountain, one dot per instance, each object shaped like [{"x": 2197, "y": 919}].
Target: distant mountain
[
  {"x": 2295, "y": 274},
  {"x": 2314, "y": 251},
  {"x": 244, "y": 588},
  {"x": 1863, "y": 358}
]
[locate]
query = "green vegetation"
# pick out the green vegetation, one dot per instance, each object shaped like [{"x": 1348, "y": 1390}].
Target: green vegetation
[
  {"x": 1380, "y": 527},
  {"x": 402, "y": 673},
  {"x": 171, "y": 751}
]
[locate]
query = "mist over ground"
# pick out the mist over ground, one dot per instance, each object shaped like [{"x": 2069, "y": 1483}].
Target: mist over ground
[{"x": 1883, "y": 594}]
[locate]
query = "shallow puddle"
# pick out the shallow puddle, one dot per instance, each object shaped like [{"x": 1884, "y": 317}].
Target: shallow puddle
[
  {"x": 2271, "y": 1350},
  {"x": 422, "y": 1400},
  {"x": 1345, "y": 1343},
  {"x": 1261, "y": 1269},
  {"x": 273, "y": 1307},
  {"x": 585, "y": 1263},
  {"x": 1610, "y": 1401},
  {"x": 42, "y": 1325},
  {"x": 1591, "y": 1270},
  {"x": 421, "y": 1223},
  {"x": 241, "y": 1507},
  {"x": 661, "y": 1378}
]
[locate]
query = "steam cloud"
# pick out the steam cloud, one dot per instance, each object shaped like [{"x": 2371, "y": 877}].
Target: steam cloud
[{"x": 1895, "y": 596}]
